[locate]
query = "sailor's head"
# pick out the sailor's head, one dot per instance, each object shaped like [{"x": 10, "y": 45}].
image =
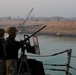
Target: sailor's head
[
  {"x": 12, "y": 31},
  {"x": 2, "y": 31}
]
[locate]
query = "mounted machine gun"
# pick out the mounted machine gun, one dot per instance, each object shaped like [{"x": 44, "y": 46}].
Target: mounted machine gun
[
  {"x": 26, "y": 42},
  {"x": 24, "y": 63}
]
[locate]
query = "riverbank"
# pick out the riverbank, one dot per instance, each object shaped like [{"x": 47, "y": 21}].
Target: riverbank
[
  {"x": 55, "y": 28},
  {"x": 51, "y": 34}
]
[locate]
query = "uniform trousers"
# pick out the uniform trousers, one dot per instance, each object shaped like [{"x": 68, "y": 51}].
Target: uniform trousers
[
  {"x": 2, "y": 70},
  {"x": 11, "y": 67}
]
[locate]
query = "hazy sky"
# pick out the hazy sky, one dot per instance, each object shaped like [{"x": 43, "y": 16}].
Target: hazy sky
[{"x": 42, "y": 8}]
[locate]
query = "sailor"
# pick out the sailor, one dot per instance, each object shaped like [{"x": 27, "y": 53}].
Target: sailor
[
  {"x": 11, "y": 51},
  {"x": 2, "y": 32}
]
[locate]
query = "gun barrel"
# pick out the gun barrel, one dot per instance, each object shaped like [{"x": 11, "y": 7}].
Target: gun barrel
[
  {"x": 37, "y": 31},
  {"x": 34, "y": 33}
]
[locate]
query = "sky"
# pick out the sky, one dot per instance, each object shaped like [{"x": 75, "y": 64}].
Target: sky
[{"x": 42, "y": 8}]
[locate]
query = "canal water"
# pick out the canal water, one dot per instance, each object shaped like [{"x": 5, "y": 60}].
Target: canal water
[{"x": 50, "y": 45}]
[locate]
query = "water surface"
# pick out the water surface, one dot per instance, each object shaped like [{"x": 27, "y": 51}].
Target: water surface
[{"x": 50, "y": 45}]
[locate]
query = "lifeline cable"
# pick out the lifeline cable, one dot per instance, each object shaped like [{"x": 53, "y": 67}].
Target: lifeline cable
[
  {"x": 55, "y": 64},
  {"x": 48, "y": 55},
  {"x": 58, "y": 70},
  {"x": 59, "y": 65},
  {"x": 72, "y": 67},
  {"x": 55, "y": 69},
  {"x": 73, "y": 56}
]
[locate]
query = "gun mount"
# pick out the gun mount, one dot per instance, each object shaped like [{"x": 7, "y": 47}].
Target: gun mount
[
  {"x": 25, "y": 68},
  {"x": 25, "y": 45}
]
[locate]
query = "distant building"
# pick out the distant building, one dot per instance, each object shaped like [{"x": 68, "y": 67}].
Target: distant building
[
  {"x": 56, "y": 18},
  {"x": 5, "y": 18}
]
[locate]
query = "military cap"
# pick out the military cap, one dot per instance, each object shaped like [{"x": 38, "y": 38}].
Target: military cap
[
  {"x": 2, "y": 31},
  {"x": 11, "y": 30}
]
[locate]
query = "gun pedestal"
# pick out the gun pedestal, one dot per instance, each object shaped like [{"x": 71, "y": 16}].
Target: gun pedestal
[{"x": 21, "y": 70}]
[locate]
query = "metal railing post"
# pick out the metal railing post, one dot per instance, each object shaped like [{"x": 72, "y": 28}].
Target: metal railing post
[{"x": 69, "y": 52}]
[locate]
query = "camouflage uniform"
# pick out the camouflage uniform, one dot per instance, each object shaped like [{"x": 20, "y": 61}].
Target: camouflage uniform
[
  {"x": 2, "y": 68},
  {"x": 12, "y": 47},
  {"x": 2, "y": 31},
  {"x": 11, "y": 67}
]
